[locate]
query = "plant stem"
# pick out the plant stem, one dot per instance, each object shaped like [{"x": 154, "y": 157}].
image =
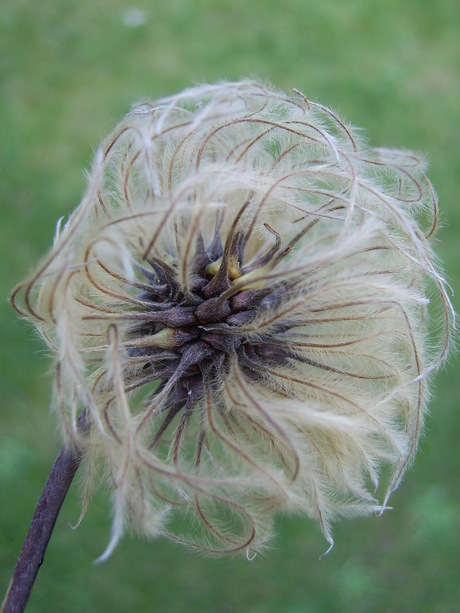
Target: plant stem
[{"x": 42, "y": 526}]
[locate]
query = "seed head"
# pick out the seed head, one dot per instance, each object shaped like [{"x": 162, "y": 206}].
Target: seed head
[{"x": 240, "y": 303}]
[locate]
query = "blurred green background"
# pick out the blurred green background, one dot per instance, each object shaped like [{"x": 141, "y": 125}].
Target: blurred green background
[{"x": 69, "y": 71}]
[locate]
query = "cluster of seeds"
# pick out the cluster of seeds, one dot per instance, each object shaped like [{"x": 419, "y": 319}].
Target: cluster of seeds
[{"x": 241, "y": 306}]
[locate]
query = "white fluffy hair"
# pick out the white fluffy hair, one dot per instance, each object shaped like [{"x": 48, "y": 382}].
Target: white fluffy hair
[{"x": 240, "y": 305}]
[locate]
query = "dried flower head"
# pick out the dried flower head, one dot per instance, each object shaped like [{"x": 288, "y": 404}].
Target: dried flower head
[{"x": 240, "y": 303}]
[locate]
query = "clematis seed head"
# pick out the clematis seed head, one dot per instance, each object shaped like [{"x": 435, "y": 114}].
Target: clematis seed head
[{"x": 247, "y": 306}]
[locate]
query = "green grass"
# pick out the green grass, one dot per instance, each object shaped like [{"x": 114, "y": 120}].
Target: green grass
[{"x": 68, "y": 71}]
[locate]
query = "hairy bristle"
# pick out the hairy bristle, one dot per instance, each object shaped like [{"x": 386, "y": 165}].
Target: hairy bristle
[{"x": 247, "y": 305}]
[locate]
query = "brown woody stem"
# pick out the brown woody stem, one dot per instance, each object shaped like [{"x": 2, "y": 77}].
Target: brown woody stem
[{"x": 41, "y": 527}]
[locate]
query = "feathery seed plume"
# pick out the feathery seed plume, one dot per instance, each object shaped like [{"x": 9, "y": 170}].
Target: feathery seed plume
[{"x": 240, "y": 303}]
